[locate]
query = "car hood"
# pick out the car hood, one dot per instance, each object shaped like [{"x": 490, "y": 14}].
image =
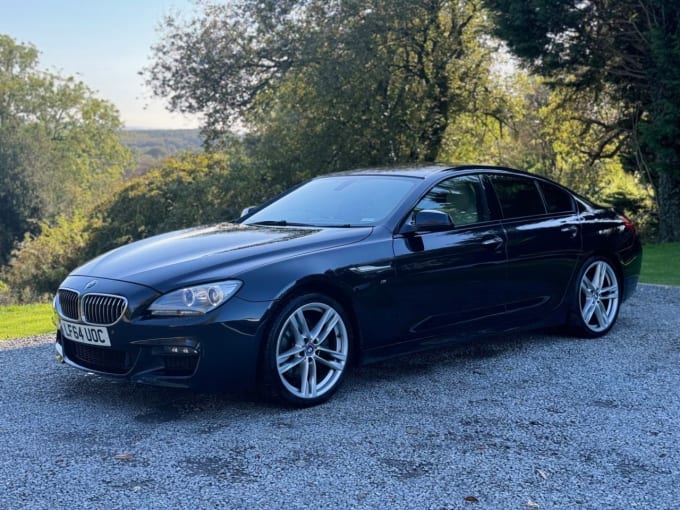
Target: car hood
[{"x": 202, "y": 254}]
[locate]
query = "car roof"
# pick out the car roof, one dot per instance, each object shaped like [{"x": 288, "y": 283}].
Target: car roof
[{"x": 421, "y": 171}]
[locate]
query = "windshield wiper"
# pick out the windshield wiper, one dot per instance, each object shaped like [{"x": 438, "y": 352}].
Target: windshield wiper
[
  {"x": 278, "y": 223},
  {"x": 281, "y": 223}
]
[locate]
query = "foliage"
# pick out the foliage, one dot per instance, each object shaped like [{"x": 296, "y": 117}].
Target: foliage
[
  {"x": 5, "y": 293},
  {"x": 317, "y": 86},
  {"x": 42, "y": 261},
  {"x": 20, "y": 201},
  {"x": 562, "y": 135},
  {"x": 187, "y": 190},
  {"x": 626, "y": 50},
  {"x": 550, "y": 131},
  {"x": 59, "y": 149},
  {"x": 18, "y": 321},
  {"x": 324, "y": 86}
]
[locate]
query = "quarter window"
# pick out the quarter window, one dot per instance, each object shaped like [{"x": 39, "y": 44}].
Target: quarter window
[
  {"x": 462, "y": 198},
  {"x": 518, "y": 196},
  {"x": 556, "y": 199}
]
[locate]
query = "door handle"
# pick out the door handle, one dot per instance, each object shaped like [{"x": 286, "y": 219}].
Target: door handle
[
  {"x": 493, "y": 243},
  {"x": 571, "y": 229}
]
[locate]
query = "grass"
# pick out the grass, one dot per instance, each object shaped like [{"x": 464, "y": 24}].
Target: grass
[
  {"x": 17, "y": 321},
  {"x": 661, "y": 264}
]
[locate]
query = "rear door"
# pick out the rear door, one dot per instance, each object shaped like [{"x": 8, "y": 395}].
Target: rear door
[{"x": 543, "y": 242}]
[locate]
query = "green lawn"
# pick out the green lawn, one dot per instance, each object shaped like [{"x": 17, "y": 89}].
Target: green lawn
[
  {"x": 25, "y": 320},
  {"x": 661, "y": 264}
]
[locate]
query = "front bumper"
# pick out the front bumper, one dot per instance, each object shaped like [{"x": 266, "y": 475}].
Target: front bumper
[
  {"x": 210, "y": 360},
  {"x": 215, "y": 351}
]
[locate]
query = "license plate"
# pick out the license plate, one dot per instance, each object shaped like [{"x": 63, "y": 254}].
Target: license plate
[{"x": 91, "y": 335}]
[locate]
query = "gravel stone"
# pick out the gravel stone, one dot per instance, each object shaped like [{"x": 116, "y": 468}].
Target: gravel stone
[{"x": 513, "y": 422}]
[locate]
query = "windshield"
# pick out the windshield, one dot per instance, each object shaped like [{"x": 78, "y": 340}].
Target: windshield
[{"x": 338, "y": 201}]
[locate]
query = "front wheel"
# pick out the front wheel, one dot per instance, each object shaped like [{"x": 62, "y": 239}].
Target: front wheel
[
  {"x": 307, "y": 351},
  {"x": 596, "y": 298}
]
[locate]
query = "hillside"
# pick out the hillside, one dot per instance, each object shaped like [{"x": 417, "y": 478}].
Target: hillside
[{"x": 153, "y": 145}]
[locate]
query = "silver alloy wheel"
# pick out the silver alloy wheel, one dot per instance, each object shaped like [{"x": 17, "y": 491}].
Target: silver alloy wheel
[
  {"x": 599, "y": 296},
  {"x": 312, "y": 350}
]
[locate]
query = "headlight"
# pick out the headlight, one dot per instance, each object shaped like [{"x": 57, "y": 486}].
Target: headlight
[{"x": 194, "y": 300}]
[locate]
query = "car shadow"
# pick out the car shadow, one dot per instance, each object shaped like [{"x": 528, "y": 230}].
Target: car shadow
[
  {"x": 459, "y": 354},
  {"x": 156, "y": 405}
]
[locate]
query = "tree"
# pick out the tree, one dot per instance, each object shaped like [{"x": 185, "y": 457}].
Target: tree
[
  {"x": 59, "y": 146},
  {"x": 628, "y": 50},
  {"x": 183, "y": 191},
  {"x": 551, "y": 131},
  {"x": 326, "y": 85}
]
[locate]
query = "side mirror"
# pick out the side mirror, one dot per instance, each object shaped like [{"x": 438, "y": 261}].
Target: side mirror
[{"x": 429, "y": 220}]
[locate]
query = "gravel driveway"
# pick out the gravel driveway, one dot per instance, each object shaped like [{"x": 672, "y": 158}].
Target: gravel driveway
[{"x": 530, "y": 421}]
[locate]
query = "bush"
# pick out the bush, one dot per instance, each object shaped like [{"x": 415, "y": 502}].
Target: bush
[
  {"x": 189, "y": 190},
  {"x": 41, "y": 262},
  {"x": 4, "y": 294},
  {"x": 186, "y": 191}
]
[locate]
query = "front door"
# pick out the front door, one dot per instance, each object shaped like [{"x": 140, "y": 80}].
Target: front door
[{"x": 450, "y": 280}]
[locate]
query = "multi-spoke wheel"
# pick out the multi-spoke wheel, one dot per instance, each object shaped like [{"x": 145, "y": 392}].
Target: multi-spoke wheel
[
  {"x": 307, "y": 350},
  {"x": 597, "y": 298}
]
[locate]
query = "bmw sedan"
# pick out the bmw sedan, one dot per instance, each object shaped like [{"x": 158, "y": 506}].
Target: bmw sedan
[{"x": 348, "y": 268}]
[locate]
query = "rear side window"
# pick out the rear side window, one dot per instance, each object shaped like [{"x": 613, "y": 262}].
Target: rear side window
[
  {"x": 518, "y": 196},
  {"x": 556, "y": 199}
]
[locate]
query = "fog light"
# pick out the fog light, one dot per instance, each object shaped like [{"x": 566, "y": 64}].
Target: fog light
[{"x": 176, "y": 350}]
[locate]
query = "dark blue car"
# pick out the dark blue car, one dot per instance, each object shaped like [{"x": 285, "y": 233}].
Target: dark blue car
[{"x": 348, "y": 268}]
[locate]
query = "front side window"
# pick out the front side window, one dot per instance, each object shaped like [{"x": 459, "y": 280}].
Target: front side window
[
  {"x": 518, "y": 196},
  {"x": 462, "y": 198}
]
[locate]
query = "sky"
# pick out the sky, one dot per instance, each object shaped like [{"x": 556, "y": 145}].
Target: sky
[{"x": 104, "y": 43}]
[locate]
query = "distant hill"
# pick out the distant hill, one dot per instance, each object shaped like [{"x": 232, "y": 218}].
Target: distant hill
[{"x": 150, "y": 146}]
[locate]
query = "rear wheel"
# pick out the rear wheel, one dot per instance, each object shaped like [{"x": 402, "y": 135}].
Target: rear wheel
[
  {"x": 596, "y": 298},
  {"x": 307, "y": 350}
]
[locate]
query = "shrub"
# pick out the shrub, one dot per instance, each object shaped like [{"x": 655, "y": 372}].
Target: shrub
[
  {"x": 4, "y": 294},
  {"x": 41, "y": 262},
  {"x": 185, "y": 191},
  {"x": 188, "y": 190}
]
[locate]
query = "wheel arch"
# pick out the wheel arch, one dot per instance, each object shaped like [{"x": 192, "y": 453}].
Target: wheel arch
[
  {"x": 613, "y": 260},
  {"x": 316, "y": 284}
]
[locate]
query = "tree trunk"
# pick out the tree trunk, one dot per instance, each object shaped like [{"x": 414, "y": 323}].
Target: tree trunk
[{"x": 668, "y": 198}]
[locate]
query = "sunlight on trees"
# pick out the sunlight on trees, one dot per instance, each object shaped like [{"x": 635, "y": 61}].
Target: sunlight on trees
[
  {"x": 59, "y": 149},
  {"x": 292, "y": 89}
]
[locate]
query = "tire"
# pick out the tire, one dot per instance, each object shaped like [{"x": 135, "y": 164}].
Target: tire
[
  {"x": 307, "y": 351},
  {"x": 596, "y": 298}
]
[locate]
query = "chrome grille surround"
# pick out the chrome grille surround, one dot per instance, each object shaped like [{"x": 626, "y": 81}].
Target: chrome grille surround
[
  {"x": 102, "y": 309},
  {"x": 69, "y": 304}
]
